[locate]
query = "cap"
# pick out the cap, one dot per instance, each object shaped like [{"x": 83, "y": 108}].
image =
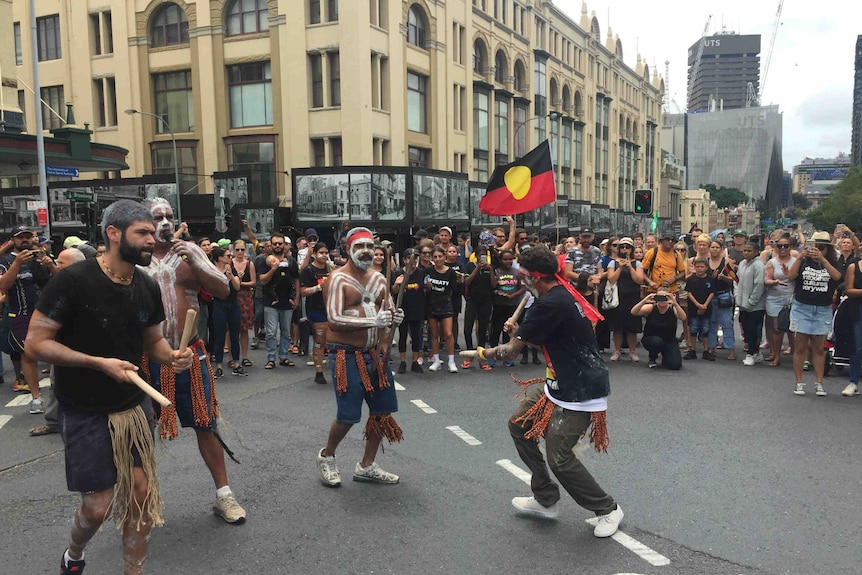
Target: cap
[
  {"x": 667, "y": 236},
  {"x": 223, "y": 243},
  {"x": 21, "y": 230},
  {"x": 43, "y": 240},
  {"x": 603, "y": 242},
  {"x": 420, "y": 234},
  {"x": 740, "y": 233},
  {"x": 586, "y": 232},
  {"x": 627, "y": 241},
  {"x": 821, "y": 237},
  {"x": 385, "y": 243},
  {"x": 287, "y": 240},
  {"x": 311, "y": 233},
  {"x": 447, "y": 228},
  {"x": 72, "y": 242}
]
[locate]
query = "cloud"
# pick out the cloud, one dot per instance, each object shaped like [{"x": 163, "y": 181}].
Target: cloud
[{"x": 830, "y": 107}]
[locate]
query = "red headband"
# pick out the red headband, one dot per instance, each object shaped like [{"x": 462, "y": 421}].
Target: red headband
[{"x": 361, "y": 236}]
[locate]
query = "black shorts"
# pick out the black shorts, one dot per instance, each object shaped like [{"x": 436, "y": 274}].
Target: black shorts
[{"x": 89, "y": 451}]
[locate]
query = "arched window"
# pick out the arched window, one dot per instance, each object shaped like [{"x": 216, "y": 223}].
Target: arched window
[
  {"x": 579, "y": 104},
  {"x": 567, "y": 99},
  {"x": 169, "y": 26},
  {"x": 554, "y": 93},
  {"x": 478, "y": 57},
  {"x": 518, "y": 85},
  {"x": 246, "y": 17},
  {"x": 417, "y": 26},
  {"x": 500, "y": 67}
]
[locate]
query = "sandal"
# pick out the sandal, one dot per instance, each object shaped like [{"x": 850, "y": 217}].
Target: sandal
[
  {"x": 286, "y": 363},
  {"x": 485, "y": 366},
  {"x": 269, "y": 365},
  {"x": 294, "y": 350},
  {"x": 466, "y": 364},
  {"x": 44, "y": 430},
  {"x": 247, "y": 363},
  {"x": 731, "y": 356}
]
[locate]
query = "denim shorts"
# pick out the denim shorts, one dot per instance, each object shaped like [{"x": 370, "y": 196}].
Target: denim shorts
[
  {"x": 185, "y": 412},
  {"x": 699, "y": 325},
  {"x": 316, "y": 316},
  {"x": 810, "y": 319},
  {"x": 349, "y": 405}
]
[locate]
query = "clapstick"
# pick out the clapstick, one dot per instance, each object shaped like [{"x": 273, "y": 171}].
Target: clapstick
[{"x": 147, "y": 388}]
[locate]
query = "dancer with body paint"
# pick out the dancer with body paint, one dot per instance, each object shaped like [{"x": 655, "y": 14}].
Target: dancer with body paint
[
  {"x": 181, "y": 269},
  {"x": 360, "y": 314}
]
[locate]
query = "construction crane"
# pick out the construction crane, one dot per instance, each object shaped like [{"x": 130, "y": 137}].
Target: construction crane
[
  {"x": 696, "y": 64},
  {"x": 769, "y": 50}
]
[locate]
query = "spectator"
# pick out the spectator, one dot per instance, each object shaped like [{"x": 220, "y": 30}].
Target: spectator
[
  {"x": 638, "y": 238},
  {"x": 650, "y": 241},
  {"x": 480, "y": 283},
  {"x": 663, "y": 314},
  {"x": 723, "y": 305},
  {"x": 664, "y": 266},
  {"x": 506, "y": 298},
  {"x": 279, "y": 276},
  {"x": 76, "y": 242},
  {"x": 584, "y": 259},
  {"x": 811, "y": 314},
  {"x": 701, "y": 291},
  {"x": 853, "y": 291},
  {"x": 627, "y": 274},
  {"x": 264, "y": 250},
  {"x": 227, "y": 316},
  {"x": 734, "y": 250},
  {"x": 243, "y": 268},
  {"x": 779, "y": 298},
  {"x": 413, "y": 305},
  {"x": 453, "y": 260},
  {"x": 639, "y": 253},
  {"x": 440, "y": 282},
  {"x": 312, "y": 278},
  {"x": 464, "y": 249},
  {"x": 750, "y": 297}
]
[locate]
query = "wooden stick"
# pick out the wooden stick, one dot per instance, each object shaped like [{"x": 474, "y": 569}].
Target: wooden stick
[
  {"x": 147, "y": 388},
  {"x": 188, "y": 328},
  {"x": 519, "y": 309},
  {"x": 400, "y": 297}
]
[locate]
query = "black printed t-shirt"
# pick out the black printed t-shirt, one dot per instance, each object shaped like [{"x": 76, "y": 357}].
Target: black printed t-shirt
[
  {"x": 280, "y": 289},
  {"x": 32, "y": 277},
  {"x": 312, "y": 276},
  {"x": 508, "y": 282},
  {"x": 440, "y": 294},
  {"x": 814, "y": 285},
  {"x": 700, "y": 288},
  {"x": 480, "y": 289},
  {"x": 557, "y": 322},
  {"x": 103, "y": 319},
  {"x": 458, "y": 290}
]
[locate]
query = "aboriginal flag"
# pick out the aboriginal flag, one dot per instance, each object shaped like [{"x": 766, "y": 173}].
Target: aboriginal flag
[{"x": 522, "y": 186}]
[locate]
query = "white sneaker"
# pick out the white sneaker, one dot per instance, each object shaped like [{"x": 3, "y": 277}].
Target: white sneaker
[
  {"x": 310, "y": 362},
  {"x": 36, "y": 406},
  {"x": 800, "y": 388},
  {"x": 851, "y": 390},
  {"x": 610, "y": 523},
  {"x": 530, "y": 506},
  {"x": 374, "y": 474},
  {"x": 452, "y": 367},
  {"x": 758, "y": 357},
  {"x": 435, "y": 365},
  {"x": 749, "y": 359},
  {"x": 329, "y": 474},
  {"x": 818, "y": 390}
]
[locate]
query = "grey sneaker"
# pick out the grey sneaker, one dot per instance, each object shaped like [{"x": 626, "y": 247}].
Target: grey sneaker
[
  {"x": 374, "y": 474},
  {"x": 818, "y": 390},
  {"x": 228, "y": 509},
  {"x": 36, "y": 407},
  {"x": 530, "y": 506},
  {"x": 329, "y": 474},
  {"x": 800, "y": 388}
]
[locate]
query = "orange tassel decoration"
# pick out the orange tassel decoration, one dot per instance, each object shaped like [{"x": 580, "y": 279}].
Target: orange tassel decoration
[
  {"x": 341, "y": 371},
  {"x": 599, "y": 432},
  {"x": 540, "y": 414},
  {"x": 383, "y": 426},
  {"x": 363, "y": 373},
  {"x": 382, "y": 377}
]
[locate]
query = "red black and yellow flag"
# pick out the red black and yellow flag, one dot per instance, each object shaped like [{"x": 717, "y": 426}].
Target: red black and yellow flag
[{"x": 522, "y": 186}]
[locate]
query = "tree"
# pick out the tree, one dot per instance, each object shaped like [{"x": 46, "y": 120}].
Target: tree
[
  {"x": 843, "y": 206},
  {"x": 725, "y": 197},
  {"x": 800, "y": 202}
]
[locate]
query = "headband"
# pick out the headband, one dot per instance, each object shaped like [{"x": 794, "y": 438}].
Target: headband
[
  {"x": 361, "y": 235},
  {"x": 589, "y": 310}
]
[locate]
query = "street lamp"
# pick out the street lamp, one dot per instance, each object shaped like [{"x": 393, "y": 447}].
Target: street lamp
[
  {"x": 519, "y": 125},
  {"x": 131, "y": 112}
]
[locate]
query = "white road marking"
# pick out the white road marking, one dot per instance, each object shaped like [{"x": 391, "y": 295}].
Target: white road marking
[
  {"x": 20, "y": 401},
  {"x": 399, "y": 387},
  {"x": 652, "y": 557},
  {"x": 45, "y": 382},
  {"x": 4, "y": 419},
  {"x": 423, "y": 406},
  {"x": 468, "y": 439}
]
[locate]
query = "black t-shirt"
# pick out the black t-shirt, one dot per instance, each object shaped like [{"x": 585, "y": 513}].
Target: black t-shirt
[
  {"x": 814, "y": 285},
  {"x": 458, "y": 290},
  {"x": 104, "y": 319},
  {"x": 440, "y": 294},
  {"x": 663, "y": 325},
  {"x": 413, "y": 302},
  {"x": 480, "y": 289},
  {"x": 312, "y": 276},
  {"x": 700, "y": 288},
  {"x": 557, "y": 322},
  {"x": 508, "y": 282},
  {"x": 280, "y": 289},
  {"x": 32, "y": 277}
]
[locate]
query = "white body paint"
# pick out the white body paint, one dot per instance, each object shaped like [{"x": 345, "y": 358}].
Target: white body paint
[{"x": 368, "y": 295}]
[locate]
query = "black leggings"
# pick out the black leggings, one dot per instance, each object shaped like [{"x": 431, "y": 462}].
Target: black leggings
[
  {"x": 414, "y": 328},
  {"x": 499, "y": 316},
  {"x": 474, "y": 311}
]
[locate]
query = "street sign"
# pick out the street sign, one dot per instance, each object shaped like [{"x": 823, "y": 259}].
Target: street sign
[
  {"x": 79, "y": 195},
  {"x": 61, "y": 172},
  {"x": 42, "y": 217},
  {"x": 33, "y": 206}
]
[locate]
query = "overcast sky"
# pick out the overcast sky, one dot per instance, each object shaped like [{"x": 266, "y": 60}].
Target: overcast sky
[{"x": 810, "y": 75}]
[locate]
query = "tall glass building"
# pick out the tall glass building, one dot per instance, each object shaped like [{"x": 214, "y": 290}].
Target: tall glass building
[
  {"x": 856, "y": 145},
  {"x": 737, "y": 149}
]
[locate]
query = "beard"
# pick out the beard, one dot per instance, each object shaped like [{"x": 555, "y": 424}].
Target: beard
[
  {"x": 364, "y": 263},
  {"x": 133, "y": 255}
]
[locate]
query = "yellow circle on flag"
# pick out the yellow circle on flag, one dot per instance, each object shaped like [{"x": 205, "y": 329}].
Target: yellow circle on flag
[{"x": 517, "y": 179}]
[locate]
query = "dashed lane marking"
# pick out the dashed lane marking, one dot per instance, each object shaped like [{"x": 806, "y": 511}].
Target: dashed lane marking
[
  {"x": 468, "y": 439},
  {"x": 20, "y": 401},
  {"x": 652, "y": 557},
  {"x": 423, "y": 406},
  {"x": 4, "y": 419},
  {"x": 399, "y": 387}
]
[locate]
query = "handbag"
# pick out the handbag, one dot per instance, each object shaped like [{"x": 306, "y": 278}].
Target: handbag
[
  {"x": 725, "y": 299},
  {"x": 783, "y": 322},
  {"x": 611, "y": 296}
]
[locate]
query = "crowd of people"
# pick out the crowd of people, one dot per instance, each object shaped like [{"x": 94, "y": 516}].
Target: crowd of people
[{"x": 342, "y": 302}]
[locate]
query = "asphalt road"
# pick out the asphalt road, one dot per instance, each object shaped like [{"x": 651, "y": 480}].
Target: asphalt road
[{"x": 719, "y": 468}]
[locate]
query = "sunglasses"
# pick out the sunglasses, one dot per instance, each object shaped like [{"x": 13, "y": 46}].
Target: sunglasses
[
  {"x": 614, "y": 245},
  {"x": 822, "y": 247},
  {"x": 239, "y": 249},
  {"x": 425, "y": 253},
  {"x": 681, "y": 249},
  {"x": 782, "y": 246},
  {"x": 276, "y": 244}
]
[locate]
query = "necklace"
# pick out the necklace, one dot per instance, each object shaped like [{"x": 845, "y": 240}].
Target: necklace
[{"x": 116, "y": 276}]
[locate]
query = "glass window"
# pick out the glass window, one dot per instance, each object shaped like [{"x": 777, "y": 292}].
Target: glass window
[
  {"x": 478, "y": 57},
  {"x": 315, "y": 65},
  {"x": 314, "y": 11},
  {"x": 19, "y": 54},
  {"x": 335, "y": 151},
  {"x": 500, "y": 67},
  {"x": 334, "y": 65},
  {"x": 567, "y": 146},
  {"x": 174, "y": 102},
  {"x": 518, "y": 83},
  {"x": 332, "y": 11},
  {"x": 48, "y": 32},
  {"x": 318, "y": 153},
  {"x": 480, "y": 121},
  {"x": 169, "y": 26},
  {"x": 416, "y": 26},
  {"x": 250, "y": 87},
  {"x": 257, "y": 157},
  {"x": 247, "y": 17},
  {"x": 501, "y": 114},
  {"x": 417, "y": 157},
  {"x": 416, "y": 102},
  {"x": 555, "y": 136},
  {"x": 520, "y": 130},
  {"x": 163, "y": 162},
  {"x": 52, "y": 96},
  {"x": 579, "y": 146}
]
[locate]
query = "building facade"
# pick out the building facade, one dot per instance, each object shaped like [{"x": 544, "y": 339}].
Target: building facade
[
  {"x": 265, "y": 86},
  {"x": 815, "y": 177},
  {"x": 856, "y": 132},
  {"x": 728, "y": 64}
]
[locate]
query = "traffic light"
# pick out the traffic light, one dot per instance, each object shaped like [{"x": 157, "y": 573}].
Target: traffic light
[{"x": 643, "y": 201}]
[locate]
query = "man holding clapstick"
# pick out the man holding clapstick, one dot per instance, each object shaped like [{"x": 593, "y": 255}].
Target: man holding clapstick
[
  {"x": 181, "y": 269},
  {"x": 93, "y": 322}
]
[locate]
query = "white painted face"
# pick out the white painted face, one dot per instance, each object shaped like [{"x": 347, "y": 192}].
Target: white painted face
[
  {"x": 163, "y": 219},
  {"x": 362, "y": 253},
  {"x": 527, "y": 280}
]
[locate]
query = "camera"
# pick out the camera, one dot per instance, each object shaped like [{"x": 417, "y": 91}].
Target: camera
[{"x": 660, "y": 298}]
